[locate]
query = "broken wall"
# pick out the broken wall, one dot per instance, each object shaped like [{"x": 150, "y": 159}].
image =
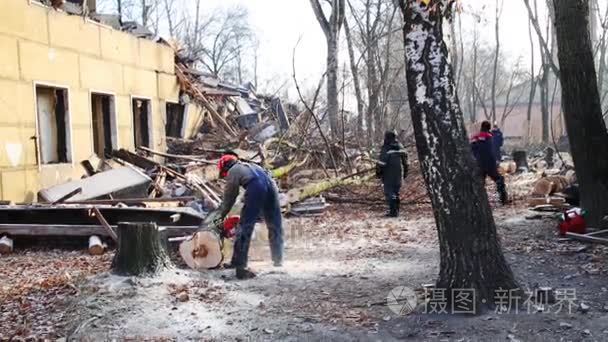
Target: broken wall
[
  {"x": 194, "y": 119},
  {"x": 42, "y": 46}
]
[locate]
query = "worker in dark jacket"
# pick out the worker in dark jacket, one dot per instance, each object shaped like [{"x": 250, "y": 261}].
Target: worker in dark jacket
[
  {"x": 391, "y": 169},
  {"x": 483, "y": 150},
  {"x": 261, "y": 195},
  {"x": 497, "y": 142}
]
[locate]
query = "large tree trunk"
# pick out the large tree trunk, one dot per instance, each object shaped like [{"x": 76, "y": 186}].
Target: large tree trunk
[
  {"x": 582, "y": 107},
  {"x": 141, "y": 250},
  {"x": 470, "y": 251}
]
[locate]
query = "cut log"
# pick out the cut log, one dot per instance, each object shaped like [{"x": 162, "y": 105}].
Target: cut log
[
  {"x": 140, "y": 250},
  {"x": 203, "y": 250},
  {"x": 6, "y": 245},
  {"x": 553, "y": 201},
  {"x": 521, "y": 160},
  {"x": 96, "y": 246}
]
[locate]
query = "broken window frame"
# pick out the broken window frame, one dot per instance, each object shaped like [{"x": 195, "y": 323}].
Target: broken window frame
[
  {"x": 150, "y": 122},
  {"x": 182, "y": 129},
  {"x": 69, "y": 154},
  {"x": 113, "y": 119}
]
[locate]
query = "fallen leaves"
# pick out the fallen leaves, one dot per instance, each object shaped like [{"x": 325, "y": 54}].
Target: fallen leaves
[{"x": 35, "y": 287}]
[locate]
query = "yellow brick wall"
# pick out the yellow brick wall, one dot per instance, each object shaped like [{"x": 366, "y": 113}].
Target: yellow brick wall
[
  {"x": 39, "y": 45},
  {"x": 65, "y": 30}
]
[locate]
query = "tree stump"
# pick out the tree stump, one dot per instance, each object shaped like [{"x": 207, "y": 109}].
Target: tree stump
[
  {"x": 549, "y": 153},
  {"x": 140, "y": 250},
  {"x": 521, "y": 160}
]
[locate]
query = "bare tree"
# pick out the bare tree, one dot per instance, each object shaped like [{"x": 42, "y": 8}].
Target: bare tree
[
  {"x": 533, "y": 82},
  {"x": 354, "y": 68},
  {"x": 499, "y": 6},
  {"x": 582, "y": 106},
  {"x": 218, "y": 41},
  {"x": 331, "y": 28},
  {"x": 375, "y": 34},
  {"x": 548, "y": 61},
  {"x": 171, "y": 16}
]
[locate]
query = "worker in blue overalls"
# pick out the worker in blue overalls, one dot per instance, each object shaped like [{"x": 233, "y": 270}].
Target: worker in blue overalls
[{"x": 261, "y": 195}]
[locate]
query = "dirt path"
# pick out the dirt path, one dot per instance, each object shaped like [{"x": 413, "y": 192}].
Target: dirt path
[{"x": 339, "y": 269}]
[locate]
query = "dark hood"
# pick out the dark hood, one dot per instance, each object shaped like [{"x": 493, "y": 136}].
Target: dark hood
[{"x": 390, "y": 138}]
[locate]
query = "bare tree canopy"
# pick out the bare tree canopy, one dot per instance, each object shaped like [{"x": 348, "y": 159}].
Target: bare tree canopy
[{"x": 331, "y": 26}]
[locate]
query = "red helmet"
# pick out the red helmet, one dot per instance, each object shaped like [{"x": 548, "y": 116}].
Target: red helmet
[{"x": 224, "y": 164}]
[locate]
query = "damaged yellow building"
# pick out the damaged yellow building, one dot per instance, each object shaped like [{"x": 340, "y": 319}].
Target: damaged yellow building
[{"x": 70, "y": 88}]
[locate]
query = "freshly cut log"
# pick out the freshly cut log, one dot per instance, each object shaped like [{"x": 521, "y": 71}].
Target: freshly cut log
[
  {"x": 6, "y": 245},
  {"x": 140, "y": 250},
  {"x": 203, "y": 250},
  {"x": 96, "y": 246},
  {"x": 554, "y": 201}
]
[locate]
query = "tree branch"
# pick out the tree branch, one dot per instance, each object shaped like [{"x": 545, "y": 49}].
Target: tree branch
[{"x": 312, "y": 113}]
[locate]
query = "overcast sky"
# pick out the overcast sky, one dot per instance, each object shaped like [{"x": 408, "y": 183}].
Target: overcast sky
[{"x": 279, "y": 24}]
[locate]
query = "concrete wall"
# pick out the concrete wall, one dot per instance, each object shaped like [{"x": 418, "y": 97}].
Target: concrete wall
[{"x": 42, "y": 45}]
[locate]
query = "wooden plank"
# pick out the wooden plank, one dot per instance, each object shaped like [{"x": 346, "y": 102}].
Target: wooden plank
[
  {"x": 135, "y": 200},
  {"x": 137, "y": 160},
  {"x": 175, "y": 156},
  {"x": 105, "y": 224},
  {"x": 203, "y": 99},
  {"x": 599, "y": 232},
  {"x": 68, "y": 196},
  {"x": 78, "y": 230},
  {"x": 587, "y": 238}
]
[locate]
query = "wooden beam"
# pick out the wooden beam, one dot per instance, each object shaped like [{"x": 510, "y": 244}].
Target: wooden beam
[
  {"x": 105, "y": 224},
  {"x": 175, "y": 156},
  {"x": 133, "y": 158},
  {"x": 78, "y": 230},
  {"x": 599, "y": 232},
  {"x": 201, "y": 97},
  {"x": 68, "y": 196},
  {"x": 135, "y": 200},
  {"x": 587, "y": 238}
]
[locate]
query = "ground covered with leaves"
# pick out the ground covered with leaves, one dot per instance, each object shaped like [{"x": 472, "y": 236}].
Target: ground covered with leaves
[{"x": 340, "y": 267}]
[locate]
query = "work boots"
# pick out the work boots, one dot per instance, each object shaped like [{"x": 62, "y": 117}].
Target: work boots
[
  {"x": 397, "y": 205},
  {"x": 393, "y": 208},
  {"x": 244, "y": 273}
]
